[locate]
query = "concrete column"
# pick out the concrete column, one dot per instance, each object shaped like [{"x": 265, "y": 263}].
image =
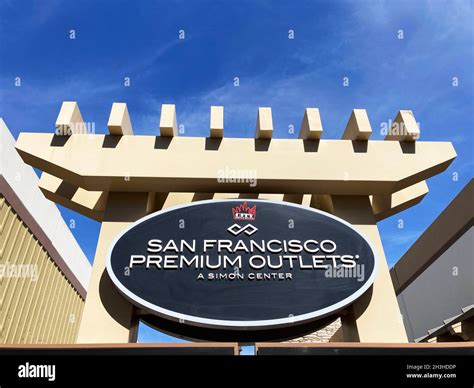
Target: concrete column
[
  {"x": 375, "y": 316},
  {"x": 107, "y": 316}
]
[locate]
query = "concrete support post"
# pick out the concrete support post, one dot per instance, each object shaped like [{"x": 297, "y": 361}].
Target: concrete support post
[
  {"x": 107, "y": 316},
  {"x": 375, "y": 316}
]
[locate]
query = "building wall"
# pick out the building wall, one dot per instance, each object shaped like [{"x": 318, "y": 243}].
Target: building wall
[
  {"x": 329, "y": 333},
  {"x": 44, "y": 274},
  {"x": 19, "y": 184},
  {"x": 441, "y": 290},
  {"x": 38, "y": 304}
]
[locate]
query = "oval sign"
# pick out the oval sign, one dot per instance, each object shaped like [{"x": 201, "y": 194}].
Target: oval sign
[{"x": 241, "y": 265}]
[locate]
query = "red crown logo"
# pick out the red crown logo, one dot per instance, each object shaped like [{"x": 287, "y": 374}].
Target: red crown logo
[{"x": 244, "y": 213}]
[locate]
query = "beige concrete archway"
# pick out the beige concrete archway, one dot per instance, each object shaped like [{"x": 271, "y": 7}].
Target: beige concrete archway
[{"x": 120, "y": 177}]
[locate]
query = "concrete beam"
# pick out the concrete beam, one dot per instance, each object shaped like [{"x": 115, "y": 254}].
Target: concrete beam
[
  {"x": 225, "y": 195},
  {"x": 322, "y": 202},
  {"x": 311, "y": 126},
  {"x": 404, "y": 127},
  {"x": 385, "y": 206},
  {"x": 89, "y": 203},
  {"x": 69, "y": 119},
  {"x": 168, "y": 121},
  {"x": 457, "y": 329},
  {"x": 119, "y": 120},
  {"x": 358, "y": 127},
  {"x": 146, "y": 163},
  {"x": 264, "y": 129},
  {"x": 217, "y": 122}
]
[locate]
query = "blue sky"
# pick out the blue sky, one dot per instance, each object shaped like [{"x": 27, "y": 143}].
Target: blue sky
[{"x": 248, "y": 40}]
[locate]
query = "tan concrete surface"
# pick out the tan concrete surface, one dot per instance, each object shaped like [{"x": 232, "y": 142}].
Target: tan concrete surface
[
  {"x": 387, "y": 205},
  {"x": 69, "y": 118},
  {"x": 168, "y": 121},
  {"x": 404, "y": 127},
  {"x": 311, "y": 126},
  {"x": 375, "y": 316},
  {"x": 358, "y": 127},
  {"x": 283, "y": 165},
  {"x": 107, "y": 316},
  {"x": 89, "y": 203},
  {"x": 119, "y": 120},
  {"x": 264, "y": 128},
  {"x": 126, "y": 177},
  {"x": 217, "y": 122}
]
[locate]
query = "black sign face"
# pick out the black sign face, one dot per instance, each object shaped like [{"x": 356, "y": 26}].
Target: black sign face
[{"x": 241, "y": 265}]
